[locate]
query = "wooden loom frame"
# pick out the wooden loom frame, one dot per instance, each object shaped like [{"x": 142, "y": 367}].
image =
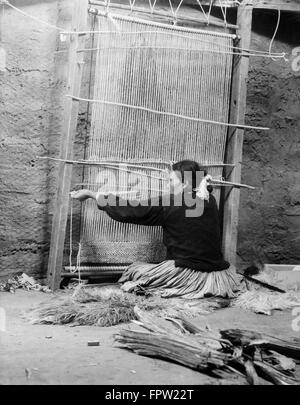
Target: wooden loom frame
[{"x": 233, "y": 147}]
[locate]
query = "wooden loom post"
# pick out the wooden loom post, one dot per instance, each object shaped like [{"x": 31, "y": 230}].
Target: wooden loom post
[
  {"x": 79, "y": 23},
  {"x": 235, "y": 136}
]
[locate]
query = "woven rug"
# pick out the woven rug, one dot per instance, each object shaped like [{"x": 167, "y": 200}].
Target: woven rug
[{"x": 107, "y": 306}]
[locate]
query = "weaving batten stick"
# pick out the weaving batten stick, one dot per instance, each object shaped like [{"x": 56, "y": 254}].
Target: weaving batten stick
[
  {"x": 117, "y": 191},
  {"x": 159, "y": 14},
  {"x": 104, "y": 163},
  {"x": 79, "y": 22},
  {"x": 240, "y": 126},
  {"x": 80, "y": 162},
  {"x": 229, "y": 183},
  {"x": 117, "y": 168},
  {"x": 271, "y": 56},
  {"x": 141, "y": 161},
  {"x": 214, "y": 182},
  {"x": 235, "y": 139},
  {"x": 253, "y": 52}
]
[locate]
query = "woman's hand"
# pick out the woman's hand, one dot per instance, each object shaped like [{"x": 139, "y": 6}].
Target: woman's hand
[{"x": 81, "y": 195}]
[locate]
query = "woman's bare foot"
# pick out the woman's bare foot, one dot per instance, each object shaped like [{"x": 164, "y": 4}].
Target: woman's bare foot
[{"x": 82, "y": 195}]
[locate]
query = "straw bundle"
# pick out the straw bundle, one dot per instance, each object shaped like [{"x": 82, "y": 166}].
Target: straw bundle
[
  {"x": 264, "y": 302},
  {"x": 111, "y": 306},
  {"x": 250, "y": 354}
]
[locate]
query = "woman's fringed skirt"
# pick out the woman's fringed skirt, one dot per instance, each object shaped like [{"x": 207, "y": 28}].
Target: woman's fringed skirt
[{"x": 167, "y": 280}]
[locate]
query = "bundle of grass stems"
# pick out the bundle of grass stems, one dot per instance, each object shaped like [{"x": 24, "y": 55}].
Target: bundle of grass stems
[
  {"x": 255, "y": 357},
  {"x": 108, "y": 306},
  {"x": 265, "y": 302}
]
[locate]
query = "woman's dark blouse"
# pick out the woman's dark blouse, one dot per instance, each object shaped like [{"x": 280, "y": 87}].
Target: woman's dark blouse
[{"x": 193, "y": 242}]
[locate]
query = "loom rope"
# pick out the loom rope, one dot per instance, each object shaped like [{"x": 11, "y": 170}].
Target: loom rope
[{"x": 77, "y": 268}]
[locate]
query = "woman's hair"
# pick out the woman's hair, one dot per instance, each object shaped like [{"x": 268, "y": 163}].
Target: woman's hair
[{"x": 190, "y": 167}]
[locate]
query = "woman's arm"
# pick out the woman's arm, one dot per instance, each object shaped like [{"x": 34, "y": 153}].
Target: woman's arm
[{"x": 148, "y": 212}]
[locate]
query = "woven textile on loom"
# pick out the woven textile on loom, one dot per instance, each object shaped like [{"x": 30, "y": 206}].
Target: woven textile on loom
[{"x": 163, "y": 68}]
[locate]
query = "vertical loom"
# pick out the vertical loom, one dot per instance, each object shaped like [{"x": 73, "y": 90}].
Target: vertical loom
[{"x": 143, "y": 68}]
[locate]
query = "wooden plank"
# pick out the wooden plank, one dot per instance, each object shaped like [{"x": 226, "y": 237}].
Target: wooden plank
[
  {"x": 79, "y": 23},
  {"x": 235, "y": 137},
  {"x": 284, "y": 5}
]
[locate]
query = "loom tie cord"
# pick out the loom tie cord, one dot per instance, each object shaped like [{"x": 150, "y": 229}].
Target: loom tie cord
[
  {"x": 204, "y": 13},
  {"x": 135, "y": 107},
  {"x": 178, "y": 7},
  {"x": 223, "y": 12},
  {"x": 132, "y": 3},
  {"x": 274, "y": 35}
]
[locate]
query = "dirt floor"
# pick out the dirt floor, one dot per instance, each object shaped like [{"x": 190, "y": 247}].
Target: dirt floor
[{"x": 45, "y": 354}]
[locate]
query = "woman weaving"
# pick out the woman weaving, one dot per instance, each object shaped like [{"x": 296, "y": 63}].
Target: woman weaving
[{"x": 194, "y": 266}]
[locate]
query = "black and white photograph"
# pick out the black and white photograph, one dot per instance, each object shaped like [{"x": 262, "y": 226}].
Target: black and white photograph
[{"x": 149, "y": 195}]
